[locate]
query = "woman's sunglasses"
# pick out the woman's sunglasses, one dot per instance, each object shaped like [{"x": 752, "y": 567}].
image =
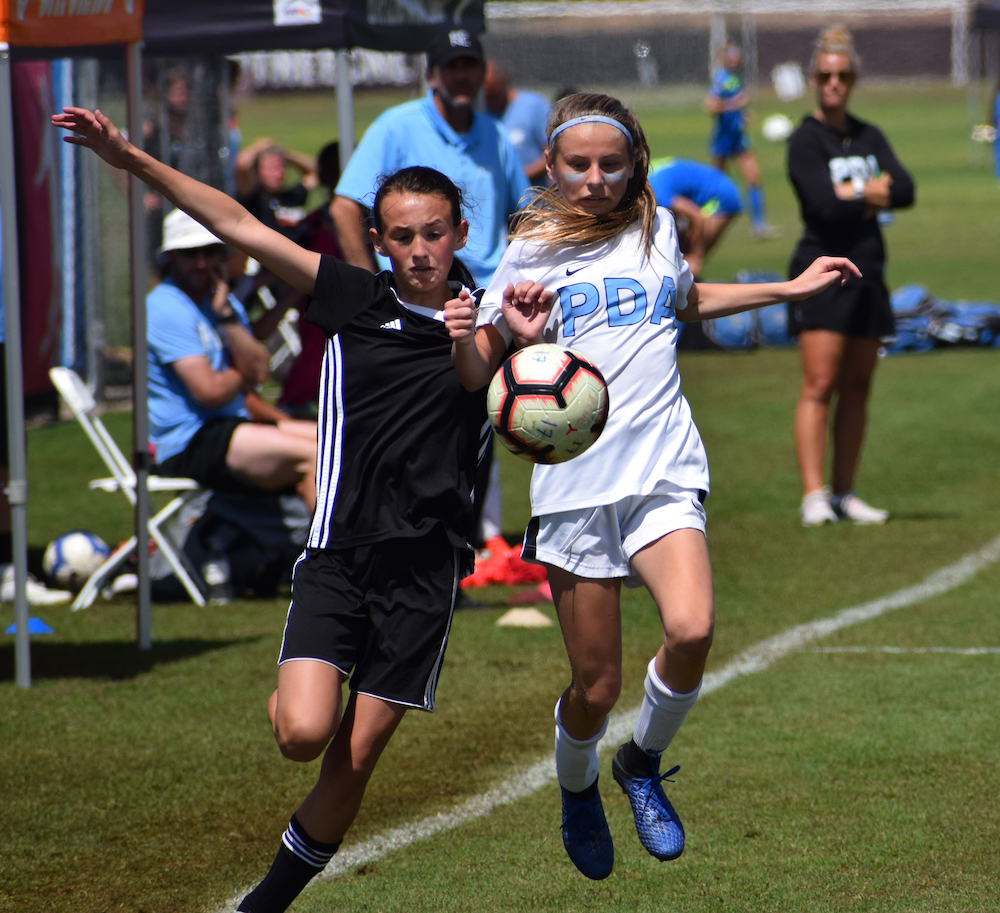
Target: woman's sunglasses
[{"x": 845, "y": 78}]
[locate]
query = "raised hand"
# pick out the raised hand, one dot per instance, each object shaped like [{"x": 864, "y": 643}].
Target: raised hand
[
  {"x": 95, "y": 131},
  {"x": 460, "y": 316},
  {"x": 526, "y": 308}
]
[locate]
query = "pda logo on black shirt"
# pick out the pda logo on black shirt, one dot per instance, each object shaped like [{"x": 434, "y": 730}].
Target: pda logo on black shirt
[{"x": 853, "y": 168}]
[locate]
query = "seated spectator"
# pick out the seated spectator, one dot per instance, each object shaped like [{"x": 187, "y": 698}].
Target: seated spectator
[
  {"x": 703, "y": 199},
  {"x": 262, "y": 184},
  {"x": 206, "y": 422},
  {"x": 300, "y": 387}
]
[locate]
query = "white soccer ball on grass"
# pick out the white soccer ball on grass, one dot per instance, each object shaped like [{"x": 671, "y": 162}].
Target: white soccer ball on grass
[{"x": 73, "y": 557}]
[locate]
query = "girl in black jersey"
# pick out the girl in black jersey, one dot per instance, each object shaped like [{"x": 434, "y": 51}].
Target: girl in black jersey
[
  {"x": 844, "y": 174},
  {"x": 399, "y": 437}
]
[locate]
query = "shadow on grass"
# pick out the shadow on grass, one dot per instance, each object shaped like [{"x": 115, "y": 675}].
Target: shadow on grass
[
  {"x": 918, "y": 516},
  {"x": 115, "y": 661}
]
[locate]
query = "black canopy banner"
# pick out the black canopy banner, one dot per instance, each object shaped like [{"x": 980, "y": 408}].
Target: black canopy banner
[{"x": 204, "y": 27}]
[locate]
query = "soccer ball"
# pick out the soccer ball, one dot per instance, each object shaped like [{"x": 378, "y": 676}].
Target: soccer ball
[
  {"x": 777, "y": 128},
  {"x": 72, "y": 558},
  {"x": 547, "y": 404}
]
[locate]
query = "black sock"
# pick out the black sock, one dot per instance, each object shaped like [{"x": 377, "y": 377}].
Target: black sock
[
  {"x": 584, "y": 794},
  {"x": 290, "y": 872},
  {"x": 635, "y": 760}
]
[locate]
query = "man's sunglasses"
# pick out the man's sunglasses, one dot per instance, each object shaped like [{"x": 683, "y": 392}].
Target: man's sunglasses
[
  {"x": 846, "y": 77},
  {"x": 212, "y": 250}
]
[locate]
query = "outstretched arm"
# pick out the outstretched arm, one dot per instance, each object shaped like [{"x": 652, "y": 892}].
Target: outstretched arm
[
  {"x": 477, "y": 353},
  {"x": 708, "y": 300},
  {"x": 220, "y": 214}
]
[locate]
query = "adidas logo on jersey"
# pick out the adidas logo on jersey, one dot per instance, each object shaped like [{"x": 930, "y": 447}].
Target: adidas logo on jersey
[{"x": 396, "y": 324}]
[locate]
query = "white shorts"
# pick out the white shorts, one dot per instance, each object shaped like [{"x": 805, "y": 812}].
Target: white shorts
[{"x": 599, "y": 542}]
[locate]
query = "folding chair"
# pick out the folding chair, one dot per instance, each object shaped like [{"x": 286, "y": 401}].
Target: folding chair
[
  {"x": 73, "y": 390},
  {"x": 285, "y": 342}
]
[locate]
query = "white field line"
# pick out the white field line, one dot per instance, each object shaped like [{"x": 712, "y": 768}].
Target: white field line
[
  {"x": 960, "y": 651},
  {"x": 756, "y": 659}
]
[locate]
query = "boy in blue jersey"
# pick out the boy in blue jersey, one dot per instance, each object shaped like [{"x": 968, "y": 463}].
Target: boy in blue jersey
[
  {"x": 727, "y": 102},
  {"x": 703, "y": 200}
]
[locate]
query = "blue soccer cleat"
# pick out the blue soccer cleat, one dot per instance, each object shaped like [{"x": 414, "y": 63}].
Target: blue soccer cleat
[
  {"x": 660, "y": 830},
  {"x": 586, "y": 836}
]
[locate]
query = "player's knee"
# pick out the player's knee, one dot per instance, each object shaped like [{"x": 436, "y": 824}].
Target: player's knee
[
  {"x": 301, "y": 740},
  {"x": 599, "y": 696},
  {"x": 819, "y": 388},
  {"x": 692, "y": 640}
]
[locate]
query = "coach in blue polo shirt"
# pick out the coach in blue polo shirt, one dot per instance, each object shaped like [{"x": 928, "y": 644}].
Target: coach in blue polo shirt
[{"x": 441, "y": 131}]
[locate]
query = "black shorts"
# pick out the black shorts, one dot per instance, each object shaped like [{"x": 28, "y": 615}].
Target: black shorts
[
  {"x": 857, "y": 309},
  {"x": 204, "y": 458},
  {"x": 380, "y": 613}
]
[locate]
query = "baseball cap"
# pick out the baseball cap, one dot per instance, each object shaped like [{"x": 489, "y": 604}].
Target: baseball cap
[
  {"x": 181, "y": 232},
  {"x": 449, "y": 46}
]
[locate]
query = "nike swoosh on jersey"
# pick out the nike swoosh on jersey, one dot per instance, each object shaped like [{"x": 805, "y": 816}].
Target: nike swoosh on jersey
[{"x": 570, "y": 272}]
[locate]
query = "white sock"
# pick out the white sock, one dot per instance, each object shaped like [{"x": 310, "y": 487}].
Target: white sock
[
  {"x": 576, "y": 761},
  {"x": 661, "y": 713}
]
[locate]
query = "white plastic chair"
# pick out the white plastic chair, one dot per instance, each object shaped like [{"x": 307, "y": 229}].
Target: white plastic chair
[{"x": 73, "y": 390}]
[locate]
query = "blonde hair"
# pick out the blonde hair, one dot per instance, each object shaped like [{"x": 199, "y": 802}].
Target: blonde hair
[
  {"x": 550, "y": 219},
  {"x": 834, "y": 40}
]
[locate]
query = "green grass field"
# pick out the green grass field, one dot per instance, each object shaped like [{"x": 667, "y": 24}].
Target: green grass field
[{"x": 831, "y": 781}]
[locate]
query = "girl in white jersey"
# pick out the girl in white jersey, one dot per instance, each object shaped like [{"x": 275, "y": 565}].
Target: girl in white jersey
[{"x": 596, "y": 251}]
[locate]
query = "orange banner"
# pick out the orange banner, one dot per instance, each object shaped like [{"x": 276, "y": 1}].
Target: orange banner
[{"x": 69, "y": 23}]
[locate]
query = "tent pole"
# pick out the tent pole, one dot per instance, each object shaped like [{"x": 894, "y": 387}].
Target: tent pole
[
  {"x": 17, "y": 487},
  {"x": 345, "y": 108},
  {"x": 140, "y": 393}
]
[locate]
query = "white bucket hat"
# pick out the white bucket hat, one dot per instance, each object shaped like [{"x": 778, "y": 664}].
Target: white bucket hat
[{"x": 181, "y": 232}]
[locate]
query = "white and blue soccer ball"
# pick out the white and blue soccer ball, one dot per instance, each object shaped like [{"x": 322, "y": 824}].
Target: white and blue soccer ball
[{"x": 73, "y": 557}]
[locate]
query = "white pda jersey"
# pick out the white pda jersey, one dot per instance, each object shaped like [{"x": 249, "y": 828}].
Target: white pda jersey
[{"x": 618, "y": 308}]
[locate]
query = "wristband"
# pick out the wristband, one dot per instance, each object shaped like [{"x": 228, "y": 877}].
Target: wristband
[
  {"x": 232, "y": 317},
  {"x": 859, "y": 188}
]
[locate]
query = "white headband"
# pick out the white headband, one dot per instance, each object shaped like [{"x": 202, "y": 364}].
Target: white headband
[{"x": 593, "y": 119}]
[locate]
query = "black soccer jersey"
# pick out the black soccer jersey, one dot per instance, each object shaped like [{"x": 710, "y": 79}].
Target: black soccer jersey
[{"x": 399, "y": 437}]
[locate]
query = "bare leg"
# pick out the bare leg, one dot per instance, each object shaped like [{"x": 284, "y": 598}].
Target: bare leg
[
  {"x": 590, "y": 618},
  {"x": 365, "y": 730},
  {"x": 677, "y": 572},
  {"x": 315, "y": 831},
  {"x": 271, "y": 459},
  {"x": 305, "y": 708},
  {"x": 821, "y": 353},
  {"x": 859, "y": 360},
  {"x": 749, "y": 168}
]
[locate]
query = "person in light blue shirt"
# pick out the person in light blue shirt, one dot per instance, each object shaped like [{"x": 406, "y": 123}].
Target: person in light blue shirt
[
  {"x": 441, "y": 131},
  {"x": 206, "y": 423},
  {"x": 524, "y": 115},
  {"x": 703, "y": 199},
  {"x": 727, "y": 102}
]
